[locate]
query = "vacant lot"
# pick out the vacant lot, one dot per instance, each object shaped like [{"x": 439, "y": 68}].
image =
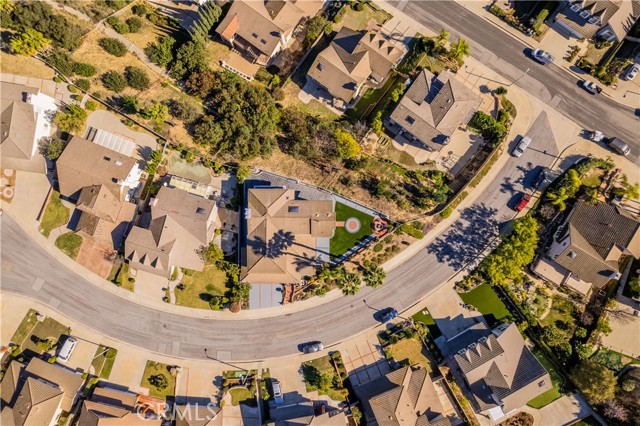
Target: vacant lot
[
  {"x": 24, "y": 65},
  {"x": 200, "y": 286},
  {"x": 486, "y": 301}
]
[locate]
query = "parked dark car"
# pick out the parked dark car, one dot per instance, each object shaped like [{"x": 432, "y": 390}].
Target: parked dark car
[
  {"x": 540, "y": 179},
  {"x": 388, "y": 314},
  {"x": 312, "y": 347},
  {"x": 524, "y": 200}
]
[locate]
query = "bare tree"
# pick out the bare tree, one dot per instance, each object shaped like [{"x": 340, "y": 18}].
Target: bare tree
[{"x": 615, "y": 410}]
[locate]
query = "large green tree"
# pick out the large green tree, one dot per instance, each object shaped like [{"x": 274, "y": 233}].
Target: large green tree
[
  {"x": 596, "y": 382},
  {"x": 190, "y": 57},
  {"x": 208, "y": 15},
  {"x": 374, "y": 276},
  {"x": 29, "y": 42},
  {"x": 72, "y": 119},
  {"x": 347, "y": 145},
  {"x": 459, "y": 49},
  {"x": 161, "y": 52}
]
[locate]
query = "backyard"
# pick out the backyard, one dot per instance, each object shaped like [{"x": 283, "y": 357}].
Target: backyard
[
  {"x": 561, "y": 316},
  {"x": 410, "y": 352},
  {"x": 320, "y": 375},
  {"x": 373, "y": 97},
  {"x": 242, "y": 395},
  {"x": 69, "y": 243},
  {"x": 158, "y": 379},
  {"x": 31, "y": 331},
  {"x": 552, "y": 394},
  {"x": 199, "y": 287},
  {"x": 487, "y": 302},
  {"x": 342, "y": 240},
  {"x": 424, "y": 316},
  {"x": 103, "y": 360},
  {"x": 54, "y": 216}
]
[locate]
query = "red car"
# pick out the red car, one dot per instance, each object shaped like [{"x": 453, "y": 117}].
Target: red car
[{"x": 524, "y": 200}]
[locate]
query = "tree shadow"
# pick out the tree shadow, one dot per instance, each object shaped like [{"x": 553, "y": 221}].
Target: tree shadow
[{"x": 467, "y": 238}]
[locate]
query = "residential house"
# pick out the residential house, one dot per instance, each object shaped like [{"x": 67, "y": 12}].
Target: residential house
[
  {"x": 36, "y": 394},
  {"x": 194, "y": 414},
  {"x": 181, "y": 223},
  {"x": 403, "y": 397},
  {"x": 101, "y": 181},
  {"x": 307, "y": 413},
  {"x": 352, "y": 58},
  {"x": 433, "y": 108},
  {"x": 112, "y": 407},
  {"x": 259, "y": 30},
  {"x": 284, "y": 236},
  {"x": 588, "y": 248},
  {"x": 26, "y": 115},
  {"x": 610, "y": 20},
  {"x": 500, "y": 371}
]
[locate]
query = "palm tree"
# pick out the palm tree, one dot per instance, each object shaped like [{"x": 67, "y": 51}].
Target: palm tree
[
  {"x": 558, "y": 198},
  {"x": 443, "y": 36},
  {"x": 29, "y": 42},
  {"x": 459, "y": 50},
  {"x": 627, "y": 190},
  {"x": 349, "y": 284},
  {"x": 374, "y": 276}
]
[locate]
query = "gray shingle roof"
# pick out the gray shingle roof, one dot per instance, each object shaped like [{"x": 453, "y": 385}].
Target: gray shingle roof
[{"x": 603, "y": 9}]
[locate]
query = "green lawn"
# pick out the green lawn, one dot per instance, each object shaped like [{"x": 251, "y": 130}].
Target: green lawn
[
  {"x": 365, "y": 106},
  {"x": 561, "y": 315},
  {"x": 486, "y": 301},
  {"x": 612, "y": 360},
  {"x": 242, "y": 395},
  {"x": 24, "y": 329},
  {"x": 55, "y": 215},
  {"x": 119, "y": 275},
  {"x": 411, "y": 352},
  {"x": 70, "y": 244},
  {"x": 322, "y": 364},
  {"x": 153, "y": 369},
  {"x": 553, "y": 393},
  {"x": 30, "y": 331},
  {"x": 201, "y": 286},
  {"x": 424, "y": 316},
  {"x": 358, "y": 20},
  {"x": 103, "y": 361},
  {"x": 342, "y": 240}
]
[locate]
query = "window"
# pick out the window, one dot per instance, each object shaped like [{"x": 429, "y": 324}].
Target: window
[
  {"x": 294, "y": 209},
  {"x": 263, "y": 41},
  {"x": 254, "y": 35},
  {"x": 585, "y": 14},
  {"x": 410, "y": 119}
]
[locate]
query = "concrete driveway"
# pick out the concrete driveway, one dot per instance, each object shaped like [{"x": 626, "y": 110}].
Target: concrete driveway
[
  {"x": 82, "y": 356},
  {"x": 364, "y": 360},
  {"x": 238, "y": 415}
]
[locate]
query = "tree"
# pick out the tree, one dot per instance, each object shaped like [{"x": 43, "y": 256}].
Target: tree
[
  {"x": 614, "y": 409},
  {"x": 626, "y": 189},
  {"x": 161, "y": 52},
  {"x": 374, "y": 276},
  {"x": 596, "y": 382},
  {"x": 39, "y": 16},
  {"x": 459, "y": 50},
  {"x": 134, "y": 24},
  {"x": 185, "y": 110},
  {"x": 190, "y": 57},
  {"x": 137, "y": 78},
  {"x": 114, "y": 81},
  {"x": 243, "y": 173},
  {"x": 72, "y": 120},
  {"x": 119, "y": 26},
  {"x": 240, "y": 293},
  {"x": 85, "y": 70},
  {"x": 208, "y": 15},
  {"x": 559, "y": 198},
  {"x": 113, "y": 46},
  {"x": 211, "y": 253},
  {"x": 29, "y": 42},
  {"x": 553, "y": 336},
  {"x": 156, "y": 112},
  {"x": 54, "y": 149},
  {"x": 314, "y": 27},
  {"x": 349, "y": 283},
  {"x": 584, "y": 350},
  {"x": 348, "y": 147},
  {"x": 200, "y": 84},
  {"x": 376, "y": 123},
  {"x": 443, "y": 36},
  {"x": 129, "y": 104},
  {"x": 500, "y": 90},
  {"x": 159, "y": 381}
]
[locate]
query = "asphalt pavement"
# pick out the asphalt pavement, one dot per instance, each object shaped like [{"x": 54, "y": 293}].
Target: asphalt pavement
[
  {"x": 509, "y": 57},
  {"x": 30, "y": 270}
]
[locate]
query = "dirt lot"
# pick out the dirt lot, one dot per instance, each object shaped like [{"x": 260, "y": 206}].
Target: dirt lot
[{"x": 24, "y": 65}]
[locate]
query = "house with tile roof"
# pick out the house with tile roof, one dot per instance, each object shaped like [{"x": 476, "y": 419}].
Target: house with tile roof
[
  {"x": 307, "y": 413},
  {"x": 36, "y": 394},
  {"x": 403, "y": 397},
  {"x": 433, "y": 108},
  {"x": 352, "y": 58},
  {"x": 500, "y": 372},
  {"x": 102, "y": 182},
  {"x": 589, "y": 247},
  {"x": 195, "y": 414},
  {"x": 26, "y": 115},
  {"x": 610, "y": 20},
  {"x": 281, "y": 234},
  {"x": 112, "y": 407},
  {"x": 259, "y": 30},
  {"x": 181, "y": 223}
]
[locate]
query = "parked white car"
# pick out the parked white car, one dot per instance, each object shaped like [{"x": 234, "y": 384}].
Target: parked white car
[
  {"x": 632, "y": 72},
  {"x": 522, "y": 145},
  {"x": 542, "y": 56}
]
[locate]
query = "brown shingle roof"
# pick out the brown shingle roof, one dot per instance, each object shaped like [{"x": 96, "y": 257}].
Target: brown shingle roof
[
  {"x": 110, "y": 407},
  {"x": 65, "y": 379},
  {"x": 37, "y": 403},
  {"x": 604, "y": 9},
  {"x": 9, "y": 382},
  {"x": 196, "y": 415}
]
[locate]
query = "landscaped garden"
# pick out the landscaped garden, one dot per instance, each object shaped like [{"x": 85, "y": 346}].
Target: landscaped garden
[
  {"x": 342, "y": 240},
  {"x": 561, "y": 316},
  {"x": 36, "y": 337},
  {"x": 69, "y": 243},
  {"x": 119, "y": 275},
  {"x": 241, "y": 385},
  {"x": 55, "y": 215},
  {"x": 424, "y": 316},
  {"x": 326, "y": 375},
  {"x": 160, "y": 379},
  {"x": 103, "y": 360},
  {"x": 487, "y": 302},
  {"x": 199, "y": 287},
  {"x": 614, "y": 361}
]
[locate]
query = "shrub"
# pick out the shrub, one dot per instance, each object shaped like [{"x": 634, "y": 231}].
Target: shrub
[
  {"x": 141, "y": 9},
  {"x": 113, "y": 46},
  {"x": 446, "y": 212},
  {"x": 85, "y": 70},
  {"x": 119, "y": 26},
  {"x": 57, "y": 79},
  {"x": 73, "y": 89},
  {"x": 377, "y": 247},
  {"x": 62, "y": 62},
  {"x": 137, "y": 78},
  {"x": 130, "y": 104},
  {"x": 134, "y": 24},
  {"x": 54, "y": 149},
  {"x": 412, "y": 231},
  {"x": 83, "y": 84},
  {"x": 114, "y": 81},
  {"x": 91, "y": 105}
]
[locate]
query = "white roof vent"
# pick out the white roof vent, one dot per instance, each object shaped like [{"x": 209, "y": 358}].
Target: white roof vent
[
  {"x": 247, "y": 214},
  {"x": 585, "y": 14},
  {"x": 575, "y": 7},
  {"x": 572, "y": 254},
  {"x": 118, "y": 163},
  {"x": 473, "y": 345},
  {"x": 462, "y": 351},
  {"x": 482, "y": 339}
]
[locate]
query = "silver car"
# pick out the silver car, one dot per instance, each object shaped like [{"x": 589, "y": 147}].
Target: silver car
[
  {"x": 542, "y": 56},
  {"x": 522, "y": 145},
  {"x": 632, "y": 72},
  {"x": 312, "y": 347}
]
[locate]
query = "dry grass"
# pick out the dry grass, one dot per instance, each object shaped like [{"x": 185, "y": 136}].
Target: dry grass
[
  {"x": 314, "y": 107},
  {"x": 24, "y": 65},
  {"x": 217, "y": 52},
  {"x": 148, "y": 33}
]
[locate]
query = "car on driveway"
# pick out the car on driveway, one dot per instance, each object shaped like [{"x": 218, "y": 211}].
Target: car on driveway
[
  {"x": 540, "y": 178},
  {"x": 524, "y": 200},
  {"x": 590, "y": 87},
  {"x": 522, "y": 145},
  {"x": 387, "y": 315},
  {"x": 542, "y": 56},
  {"x": 312, "y": 347},
  {"x": 632, "y": 72}
]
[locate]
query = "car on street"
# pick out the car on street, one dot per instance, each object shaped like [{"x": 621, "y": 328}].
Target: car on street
[
  {"x": 540, "y": 178},
  {"x": 632, "y": 72},
  {"x": 312, "y": 347},
  {"x": 524, "y": 200},
  {"x": 542, "y": 56},
  {"x": 522, "y": 145},
  {"x": 590, "y": 87},
  {"x": 618, "y": 146},
  {"x": 388, "y": 314}
]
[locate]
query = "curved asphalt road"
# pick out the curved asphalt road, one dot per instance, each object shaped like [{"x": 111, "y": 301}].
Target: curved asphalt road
[
  {"x": 24, "y": 263},
  {"x": 509, "y": 57}
]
